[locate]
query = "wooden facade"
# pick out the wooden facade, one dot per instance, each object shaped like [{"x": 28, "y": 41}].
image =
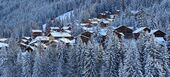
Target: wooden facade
[
  {"x": 85, "y": 37},
  {"x": 159, "y": 34},
  {"x": 137, "y": 33},
  {"x": 36, "y": 33},
  {"x": 128, "y": 32},
  {"x": 103, "y": 25}
]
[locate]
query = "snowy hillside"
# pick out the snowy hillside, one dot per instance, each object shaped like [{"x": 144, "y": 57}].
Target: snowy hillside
[{"x": 84, "y": 38}]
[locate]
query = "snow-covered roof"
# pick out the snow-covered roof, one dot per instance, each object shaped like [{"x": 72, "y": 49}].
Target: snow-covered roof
[
  {"x": 60, "y": 34},
  {"x": 27, "y": 38},
  {"x": 103, "y": 32},
  {"x": 66, "y": 27},
  {"x": 106, "y": 21},
  {"x": 68, "y": 31},
  {"x": 125, "y": 26},
  {"x": 84, "y": 24},
  {"x": 41, "y": 38},
  {"x": 94, "y": 22},
  {"x": 3, "y": 39},
  {"x": 23, "y": 44},
  {"x": 3, "y": 45},
  {"x": 103, "y": 13},
  {"x": 107, "y": 12},
  {"x": 36, "y": 30},
  {"x": 110, "y": 19},
  {"x": 65, "y": 40},
  {"x": 37, "y": 44},
  {"x": 159, "y": 40},
  {"x": 153, "y": 31},
  {"x": 91, "y": 29},
  {"x": 56, "y": 41},
  {"x": 24, "y": 40},
  {"x": 139, "y": 30},
  {"x": 33, "y": 41},
  {"x": 52, "y": 28}
]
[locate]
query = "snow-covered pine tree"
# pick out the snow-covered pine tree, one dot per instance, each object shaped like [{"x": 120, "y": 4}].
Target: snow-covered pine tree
[
  {"x": 40, "y": 67},
  {"x": 141, "y": 45},
  {"x": 132, "y": 65},
  {"x": 89, "y": 68},
  {"x": 154, "y": 64},
  {"x": 26, "y": 64},
  {"x": 111, "y": 56}
]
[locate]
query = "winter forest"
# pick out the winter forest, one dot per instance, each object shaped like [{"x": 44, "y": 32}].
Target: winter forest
[{"x": 84, "y": 38}]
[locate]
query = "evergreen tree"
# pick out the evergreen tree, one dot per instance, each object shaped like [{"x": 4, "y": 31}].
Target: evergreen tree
[{"x": 89, "y": 68}]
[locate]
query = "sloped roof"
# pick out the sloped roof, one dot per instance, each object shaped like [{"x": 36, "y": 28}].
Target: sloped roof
[
  {"x": 65, "y": 40},
  {"x": 84, "y": 24},
  {"x": 52, "y": 28},
  {"x": 66, "y": 27},
  {"x": 41, "y": 38},
  {"x": 68, "y": 31},
  {"x": 24, "y": 40},
  {"x": 153, "y": 31},
  {"x": 91, "y": 29},
  {"x": 36, "y": 30},
  {"x": 60, "y": 34},
  {"x": 27, "y": 38},
  {"x": 139, "y": 30},
  {"x": 123, "y": 26}
]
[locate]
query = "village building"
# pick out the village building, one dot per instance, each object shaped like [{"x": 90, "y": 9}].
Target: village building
[
  {"x": 42, "y": 39},
  {"x": 159, "y": 36},
  {"x": 56, "y": 35},
  {"x": 86, "y": 36},
  {"x": 138, "y": 31},
  {"x": 36, "y": 33},
  {"x": 54, "y": 29},
  {"x": 158, "y": 33},
  {"x": 127, "y": 31}
]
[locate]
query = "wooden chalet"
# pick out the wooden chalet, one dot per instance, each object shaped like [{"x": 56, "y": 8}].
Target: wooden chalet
[
  {"x": 158, "y": 33},
  {"x": 104, "y": 24},
  {"x": 85, "y": 37},
  {"x": 56, "y": 35},
  {"x": 42, "y": 39},
  {"x": 119, "y": 35},
  {"x": 36, "y": 33},
  {"x": 127, "y": 31},
  {"x": 138, "y": 31}
]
